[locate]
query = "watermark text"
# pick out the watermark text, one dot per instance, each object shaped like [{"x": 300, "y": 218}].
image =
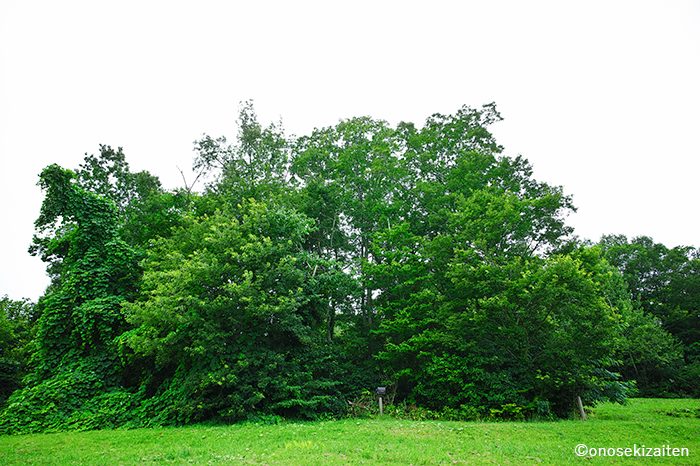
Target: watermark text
[{"x": 634, "y": 450}]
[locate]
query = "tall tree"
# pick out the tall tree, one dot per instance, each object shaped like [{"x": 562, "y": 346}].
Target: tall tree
[
  {"x": 231, "y": 319},
  {"x": 351, "y": 180},
  {"x": 665, "y": 283},
  {"x": 254, "y": 166},
  {"x": 108, "y": 174},
  {"x": 93, "y": 272}
]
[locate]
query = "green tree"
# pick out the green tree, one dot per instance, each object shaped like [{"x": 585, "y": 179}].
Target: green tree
[
  {"x": 230, "y": 321},
  {"x": 460, "y": 327},
  {"x": 649, "y": 354},
  {"x": 108, "y": 174},
  {"x": 351, "y": 183},
  {"x": 145, "y": 210},
  {"x": 665, "y": 285},
  {"x": 17, "y": 318},
  {"x": 311, "y": 268},
  {"x": 255, "y": 166},
  {"x": 93, "y": 272},
  {"x": 532, "y": 333}
]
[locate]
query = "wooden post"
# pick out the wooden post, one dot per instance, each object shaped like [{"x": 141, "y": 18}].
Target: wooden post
[
  {"x": 381, "y": 406},
  {"x": 581, "y": 411}
]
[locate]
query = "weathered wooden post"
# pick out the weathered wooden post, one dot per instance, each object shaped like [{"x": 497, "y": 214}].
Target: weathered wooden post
[{"x": 581, "y": 411}]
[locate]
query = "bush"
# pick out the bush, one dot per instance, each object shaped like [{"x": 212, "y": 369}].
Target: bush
[{"x": 50, "y": 405}]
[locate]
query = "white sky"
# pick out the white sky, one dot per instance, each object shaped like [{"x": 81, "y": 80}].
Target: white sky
[{"x": 602, "y": 97}]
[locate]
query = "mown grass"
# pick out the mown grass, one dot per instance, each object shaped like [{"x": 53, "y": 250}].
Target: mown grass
[{"x": 652, "y": 422}]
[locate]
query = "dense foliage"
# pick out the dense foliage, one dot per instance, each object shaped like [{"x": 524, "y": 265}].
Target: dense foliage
[
  {"x": 17, "y": 320},
  {"x": 665, "y": 288},
  {"x": 311, "y": 269}
]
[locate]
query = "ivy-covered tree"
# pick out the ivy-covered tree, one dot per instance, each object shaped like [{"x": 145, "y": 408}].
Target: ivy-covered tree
[
  {"x": 93, "y": 272},
  {"x": 78, "y": 236},
  {"x": 145, "y": 211}
]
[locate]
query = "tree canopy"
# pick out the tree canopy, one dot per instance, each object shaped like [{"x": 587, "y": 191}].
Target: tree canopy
[{"x": 310, "y": 269}]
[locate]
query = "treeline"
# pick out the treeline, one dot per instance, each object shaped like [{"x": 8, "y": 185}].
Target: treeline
[{"x": 312, "y": 269}]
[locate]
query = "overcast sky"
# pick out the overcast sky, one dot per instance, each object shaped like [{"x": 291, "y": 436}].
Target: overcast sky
[{"x": 602, "y": 97}]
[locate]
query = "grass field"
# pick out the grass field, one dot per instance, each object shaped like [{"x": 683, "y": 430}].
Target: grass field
[{"x": 654, "y": 423}]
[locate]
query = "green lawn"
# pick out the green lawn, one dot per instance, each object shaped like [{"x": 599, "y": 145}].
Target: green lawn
[{"x": 654, "y": 423}]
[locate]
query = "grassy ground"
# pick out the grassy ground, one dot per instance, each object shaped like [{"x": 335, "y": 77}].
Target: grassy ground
[{"x": 654, "y": 423}]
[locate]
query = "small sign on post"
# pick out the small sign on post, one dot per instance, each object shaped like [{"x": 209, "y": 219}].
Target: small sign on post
[{"x": 381, "y": 391}]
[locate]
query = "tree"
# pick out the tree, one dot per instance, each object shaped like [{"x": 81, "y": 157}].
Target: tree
[
  {"x": 255, "y": 166},
  {"x": 145, "y": 211},
  {"x": 93, "y": 272},
  {"x": 17, "y": 318},
  {"x": 351, "y": 180},
  {"x": 526, "y": 333},
  {"x": 665, "y": 285},
  {"x": 310, "y": 268},
  {"x": 108, "y": 175},
  {"x": 649, "y": 354},
  {"x": 230, "y": 320}
]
